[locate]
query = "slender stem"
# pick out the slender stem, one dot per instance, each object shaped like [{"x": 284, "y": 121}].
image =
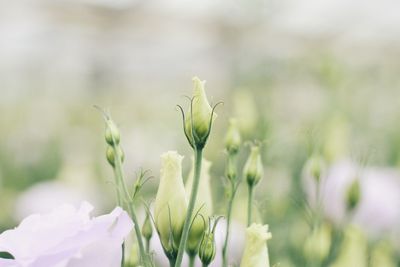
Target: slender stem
[
  {"x": 250, "y": 205},
  {"x": 119, "y": 176},
  {"x": 123, "y": 255},
  {"x": 147, "y": 246},
  {"x": 228, "y": 225},
  {"x": 172, "y": 262},
  {"x": 205, "y": 265},
  {"x": 185, "y": 232},
  {"x": 192, "y": 259}
]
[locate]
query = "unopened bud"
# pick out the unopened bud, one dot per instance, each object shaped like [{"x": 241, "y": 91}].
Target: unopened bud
[
  {"x": 171, "y": 204},
  {"x": 207, "y": 249},
  {"x": 231, "y": 171},
  {"x": 233, "y": 138},
  {"x": 112, "y": 133},
  {"x": 315, "y": 167},
  {"x": 147, "y": 229},
  {"x": 253, "y": 169},
  {"x": 353, "y": 195},
  {"x": 110, "y": 154},
  {"x": 198, "y": 119}
]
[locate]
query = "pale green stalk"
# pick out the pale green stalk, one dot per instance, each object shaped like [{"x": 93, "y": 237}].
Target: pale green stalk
[
  {"x": 228, "y": 224},
  {"x": 250, "y": 204},
  {"x": 147, "y": 246},
  {"x": 186, "y": 227},
  {"x": 192, "y": 259},
  {"x": 120, "y": 181},
  {"x": 172, "y": 261}
]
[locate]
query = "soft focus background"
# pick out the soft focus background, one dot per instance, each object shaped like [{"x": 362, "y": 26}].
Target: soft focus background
[{"x": 299, "y": 75}]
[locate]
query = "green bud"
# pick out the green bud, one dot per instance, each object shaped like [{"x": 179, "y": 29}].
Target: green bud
[
  {"x": 318, "y": 244},
  {"x": 255, "y": 251},
  {"x": 353, "y": 195},
  {"x": 203, "y": 206},
  {"x": 231, "y": 171},
  {"x": 233, "y": 139},
  {"x": 147, "y": 229},
  {"x": 253, "y": 169},
  {"x": 112, "y": 133},
  {"x": 171, "y": 204},
  {"x": 110, "y": 154},
  {"x": 383, "y": 255},
  {"x": 201, "y": 114},
  {"x": 207, "y": 249},
  {"x": 315, "y": 167},
  {"x": 354, "y": 249}
]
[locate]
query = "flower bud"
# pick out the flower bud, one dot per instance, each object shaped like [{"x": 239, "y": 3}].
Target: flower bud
[
  {"x": 317, "y": 245},
  {"x": 233, "y": 138},
  {"x": 147, "y": 229},
  {"x": 203, "y": 206},
  {"x": 110, "y": 154},
  {"x": 353, "y": 195},
  {"x": 231, "y": 171},
  {"x": 315, "y": 167},
  {"x": 253, "y": 169},
  {"x": 353, "y": 251},
  {"x": 171, "y": 204},
  {"x": 383, "y": 255},
  {"x": 112, "y": 133},
  {"x": 207, "y": 249},
  {"x": 199, "y": 116},
  {"x": 255, "y": 251}
]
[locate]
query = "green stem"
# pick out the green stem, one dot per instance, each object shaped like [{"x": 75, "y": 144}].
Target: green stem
[
  {"x": 192, "y": 259},
  {"x": 123, "y": 255},
  {"x": 205, "y": 265},
  {"x": 250, "y": 205},
  {"x": 172, "y": 262},
  {"x": 228, "y": 224},
  {"x": 120, "y": 181},
  {"x": 147, "y": 246},
  {"x": 185, "y": 232}
]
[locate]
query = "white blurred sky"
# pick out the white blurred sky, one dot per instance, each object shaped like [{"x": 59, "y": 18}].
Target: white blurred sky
[{"x": 48, "y": 41}]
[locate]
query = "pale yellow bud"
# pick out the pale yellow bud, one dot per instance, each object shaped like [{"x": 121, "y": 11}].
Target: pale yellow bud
[
  {"x": 203, "y": 204},
  {"x": 318, "y": 244},
  {"x": 353, "y": 251},
  {"x": 253, "y": 169},
  {"x": 382, "y": 255},
  {"x": 256, "y": 251},
  {"x": 199, "y": 116},
  {"x": 171, "y": 204},
  {"x": 112, "y": 133},
  {"x": 315, "y": 167},
  {"x": 110, "y": 154},
  {"x": 233, "y": 138}
]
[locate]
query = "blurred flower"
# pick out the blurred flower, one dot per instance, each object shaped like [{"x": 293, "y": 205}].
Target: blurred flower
[
  {"x": 256, "y": 252},
  {"x": 233, "y": 139},
  {"x": 67, "y": 237},
  {"x": 336, "y": 141},
  {"x": 253, "y": 169},
  {"x": 318, "y": 243},
  {"x": 245, "y": 111},
  {"x": 203, "y": 205},
  {"x": 382, "y": 255},
  {"x": 353, "y": 251},
  {"x": 171, "y": 204},
  {"x": 379, "y": 189}
]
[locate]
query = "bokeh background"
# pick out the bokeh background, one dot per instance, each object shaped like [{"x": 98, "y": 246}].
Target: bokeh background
[{"x": 301, "y": 76}]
